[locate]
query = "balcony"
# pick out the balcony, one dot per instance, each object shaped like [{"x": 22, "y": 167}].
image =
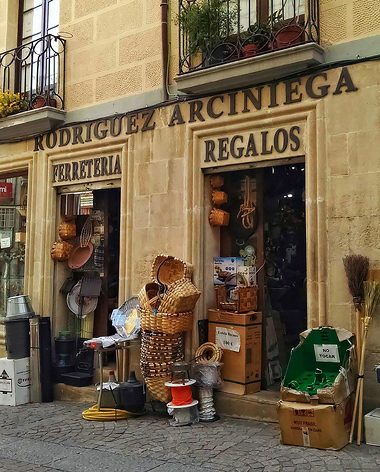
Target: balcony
[
  {"x": 32, "y": 84},
  {"x": 225, "y": 44}
]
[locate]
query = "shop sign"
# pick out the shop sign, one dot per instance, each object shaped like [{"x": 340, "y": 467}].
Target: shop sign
[
  {"x": 6, "y": 189},
  {"x": 295, "y": 90},
  {"x": 87, "y": 169},
  {"x": 268, "y": 143}
]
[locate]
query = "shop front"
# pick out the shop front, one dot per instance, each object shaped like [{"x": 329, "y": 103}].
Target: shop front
[{"x": 289, "y": 153}]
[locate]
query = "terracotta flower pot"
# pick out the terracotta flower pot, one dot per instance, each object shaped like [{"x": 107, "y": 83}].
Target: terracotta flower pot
[
  {"x": 40, "y": 102},
  {"x": 289, "y": 36},
  {"x": 250, "y": 50}
]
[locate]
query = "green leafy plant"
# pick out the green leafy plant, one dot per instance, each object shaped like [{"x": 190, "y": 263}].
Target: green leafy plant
[
  {"x": 207, "y": 23},
  {"x": 12, "y": 103},
  {"x": 258, "y": 34}
]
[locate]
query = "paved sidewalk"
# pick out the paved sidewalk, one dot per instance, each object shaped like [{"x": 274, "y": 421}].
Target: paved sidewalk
[{"x": 53, "y": 437}]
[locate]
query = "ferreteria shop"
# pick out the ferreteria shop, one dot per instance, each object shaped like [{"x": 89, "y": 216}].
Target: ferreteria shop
[{"x": 211, "y": 229}]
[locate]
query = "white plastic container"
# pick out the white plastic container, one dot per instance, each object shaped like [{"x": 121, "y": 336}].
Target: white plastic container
[
  {"x": 14, "y": 381},
  {"x": 372, "y": 427}
]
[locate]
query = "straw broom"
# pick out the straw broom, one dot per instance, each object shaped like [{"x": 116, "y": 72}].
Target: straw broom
[
  {"x": 371, "y": 299},
  {"x": 356, "y": 268}
]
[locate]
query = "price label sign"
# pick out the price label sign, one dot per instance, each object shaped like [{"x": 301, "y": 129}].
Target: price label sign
[{"x": 227, "y": 339}]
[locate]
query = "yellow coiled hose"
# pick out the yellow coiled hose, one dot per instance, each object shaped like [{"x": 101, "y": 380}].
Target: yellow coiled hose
[{"x": 107, "y": 414}]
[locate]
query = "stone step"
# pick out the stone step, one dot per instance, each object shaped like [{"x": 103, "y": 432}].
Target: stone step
[{"x": 259, "y": 406}]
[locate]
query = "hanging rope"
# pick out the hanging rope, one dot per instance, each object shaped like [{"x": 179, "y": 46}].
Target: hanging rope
[{"x": 248, "y": 208}]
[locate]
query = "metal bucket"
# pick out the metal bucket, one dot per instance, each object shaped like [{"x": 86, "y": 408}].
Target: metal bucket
[{"x": 19, "y": 306}]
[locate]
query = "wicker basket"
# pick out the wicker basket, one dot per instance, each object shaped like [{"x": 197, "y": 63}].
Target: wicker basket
[
  {"x": 219, "y": 217},
  {"x": 180, "y": 297},
  {"x": 161, "y": 339},
  {"x": 168, "y": 269},
  {"x": 67, "y": 230},
  {"x": 60, "y": 251},
  {"x": 149, "y": 296},
  {"x": 246, "y": 298},
  {"x": 216, "y": 181},
  {"x": 158, "y": 390},
  {"x": 219, "y": 197},
  {"x": 169, "y": 323}
]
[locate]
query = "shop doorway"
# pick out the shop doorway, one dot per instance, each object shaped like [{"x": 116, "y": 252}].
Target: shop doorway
[
  {"x": 267, "y": 228},
  {"x": 96, "y": 216}
]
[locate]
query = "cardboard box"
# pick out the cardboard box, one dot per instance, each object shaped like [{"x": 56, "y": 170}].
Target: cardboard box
[
  {"x": 240, "y": 337},
  {"x": 319, "y": 426},
  {"x": 325, "y": 355},
  {"x": 249, "y": 274},
  {"x": 372, "y": 427},
  {"x": 14, "y": 381},
  {"x": 225, "y": 266}
]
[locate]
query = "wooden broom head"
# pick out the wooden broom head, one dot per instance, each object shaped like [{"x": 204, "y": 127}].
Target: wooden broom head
[{"x": 356, "y": 268}]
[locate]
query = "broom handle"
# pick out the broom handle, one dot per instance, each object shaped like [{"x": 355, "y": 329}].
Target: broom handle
[
  {"x": 358, "y": 387},
  {"x": 361, "y": 373},
  {"x": 358, "y": 319}
]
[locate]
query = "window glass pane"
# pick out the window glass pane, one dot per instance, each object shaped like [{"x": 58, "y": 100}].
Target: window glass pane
[
  {"x": 32, "y": 22},
  {"x": 28, "y": 4},
  {"x": 13, "y": 202},
  {"x": 289, "y": 8},
  {"x": 53, "y": 14},
  {"x": 247, "y": 13}
]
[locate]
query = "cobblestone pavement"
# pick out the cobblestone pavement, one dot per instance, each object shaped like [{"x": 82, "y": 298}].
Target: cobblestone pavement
[{"x": 53, "y": 437}]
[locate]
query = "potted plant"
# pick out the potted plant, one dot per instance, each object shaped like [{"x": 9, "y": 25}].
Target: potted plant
[
  {"x": 256, "y": 39},
  {"x": 208, "y": 25},
  {"x": 12, "y": 103},
  {"x": 44, "y": 100},
  {"x": 287, "y": 32}
]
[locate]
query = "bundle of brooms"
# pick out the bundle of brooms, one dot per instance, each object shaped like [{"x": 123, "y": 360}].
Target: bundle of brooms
[{"x": 366, "y": 296}]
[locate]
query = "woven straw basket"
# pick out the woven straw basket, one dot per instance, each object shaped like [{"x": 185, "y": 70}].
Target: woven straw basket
[
  {"x": 219, "y": 217},
  {"x": 180, "y": 297},
  {"x": 60, "y": 251},
  {"x": 169, "y": 323},
  {"x": 149, "y": 297},
  {"x": 67, "y": 230},
  {"x": 158, "y": 390},
  {"x": 169, "y": 269},
  {"x": 219, "y": 197}
]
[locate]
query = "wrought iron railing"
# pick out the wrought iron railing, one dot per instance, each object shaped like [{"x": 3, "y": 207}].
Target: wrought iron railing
[
  {"x": 36, "y": 70},
  {"x": 212, "y": 32}
]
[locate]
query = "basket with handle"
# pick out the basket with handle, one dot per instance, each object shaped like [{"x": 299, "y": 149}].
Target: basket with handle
[
  {"x": 219, "y": 197},
  {"x": 169, "y": 269},
  {"x": 169, "y": 323},
  {"x": 243, "y": 298},
  {"x": 149, "y": 296},
  {"x": 60, "y": 251},
  {"x": 180, "y": 297}
]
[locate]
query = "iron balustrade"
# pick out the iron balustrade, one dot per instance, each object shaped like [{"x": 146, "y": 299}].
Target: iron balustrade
[
  {"x": 36, "y": 70},
  {"x": 213, "y": 32}
]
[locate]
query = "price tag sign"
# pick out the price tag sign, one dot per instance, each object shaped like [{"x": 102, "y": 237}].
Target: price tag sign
[
  {"x": 5, "y": 385},
  {"x": 326, "y": 353},
  {"x": 5, "y": 243},
  {"x": 227, "y": 339}
]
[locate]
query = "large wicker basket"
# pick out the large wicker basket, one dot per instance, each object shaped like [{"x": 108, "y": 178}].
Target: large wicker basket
[
  {"x": 67, "y": 230},
  {"x": 169, "y": 269},
  {"x": 180, "y": 297},
  {"x": 158, "y": 390},
  {"x": 169, "y": 323}
]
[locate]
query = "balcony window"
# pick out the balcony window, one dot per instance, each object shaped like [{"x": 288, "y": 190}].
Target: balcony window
[{"x": 214, "y": 32}]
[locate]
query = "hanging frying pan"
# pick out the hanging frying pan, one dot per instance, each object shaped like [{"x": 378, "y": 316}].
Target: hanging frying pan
[{"x": 80, "y": 306}]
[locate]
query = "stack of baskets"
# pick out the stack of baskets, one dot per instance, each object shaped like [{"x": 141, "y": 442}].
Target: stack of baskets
[{"x": 166, "y": 306}]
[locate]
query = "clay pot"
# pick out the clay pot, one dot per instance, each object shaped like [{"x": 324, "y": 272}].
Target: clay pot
[
  {"x": 79, "y": 256},
  {"x": 290, "y": 35},
  {"x": 41, "y": 101}
]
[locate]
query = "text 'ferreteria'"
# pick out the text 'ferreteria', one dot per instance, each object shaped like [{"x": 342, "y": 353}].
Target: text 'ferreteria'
[{"x": 316, "y": 86}]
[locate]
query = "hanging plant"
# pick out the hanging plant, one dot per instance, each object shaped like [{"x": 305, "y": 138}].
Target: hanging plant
[{"x": 12, "y": 103}]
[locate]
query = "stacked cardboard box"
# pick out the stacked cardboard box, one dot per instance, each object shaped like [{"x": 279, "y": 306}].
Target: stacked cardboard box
[
  {"x": 239, "y": 334},
  {"x": 316, "y": 406}
]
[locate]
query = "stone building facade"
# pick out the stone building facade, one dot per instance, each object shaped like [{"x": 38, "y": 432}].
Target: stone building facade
[{"x": 115, "y": 105}]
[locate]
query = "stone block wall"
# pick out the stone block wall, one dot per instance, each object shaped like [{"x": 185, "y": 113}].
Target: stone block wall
[{"x": 114, "y": 52}]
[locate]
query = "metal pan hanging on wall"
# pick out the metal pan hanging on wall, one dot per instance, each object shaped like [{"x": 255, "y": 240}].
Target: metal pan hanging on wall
[{"x": 80, "y": 305}]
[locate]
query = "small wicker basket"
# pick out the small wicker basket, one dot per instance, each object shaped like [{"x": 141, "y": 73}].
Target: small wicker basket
[
  {"x": 216, "y": 181},
  {"x": 219, "y": 217},
  {"x": 60, "y": 251},
  {"x": 169, "y": 269},
  {"x": 149, "y": 296},
  {"x": 219, "y": 197},
  {"x": 246, "y": 297},
  {"x": 169, "y": 323},
  {"x": 67, "y": 230}
]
